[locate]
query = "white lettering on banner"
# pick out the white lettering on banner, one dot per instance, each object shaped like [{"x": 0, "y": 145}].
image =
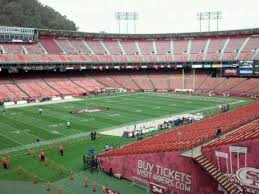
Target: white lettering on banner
[{"x": 166, "y": 176}]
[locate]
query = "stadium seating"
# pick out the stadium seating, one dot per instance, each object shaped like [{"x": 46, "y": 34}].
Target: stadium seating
[
  {"x": 13, "y": 48},
  {"x": 10, "y": 91},
  {"x": 65, "y": 86},
  {"x": 96, "y": 47},
  {"x": 211, "y": 83},
  {"x": 87, "y": 83},
  {"x": 66, "y": 46},
  {"x": 79, "y": 45},
  {"x": 125, "y": 81},
  {"x": 50, "y": 45},
  {"x": 198, "y": 48},
  {"x": 187, "y": 137},
  {"x": 146, "y": 47},
  {"x": 229, "y": 84},
  {"x": 106, "y": 80},
  {"x": 34, "y": 48},
  {"x": 176, "y": 81},
  {"x": 247, "y": 132},
  {"x": 113, "y": 47},
  {"x": 245, "y": 86},
  {"x": 129, "y": 47},
  {"x": 160, "y": 81},
  {"x": 163, "y": 47},
  {"x": 143, "y": 81}
]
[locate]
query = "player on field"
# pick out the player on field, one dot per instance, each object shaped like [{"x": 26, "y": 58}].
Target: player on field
[
  {"x": 42, "y": 155},
  {"x": 68, "y": 124},
  {"x": 40, "y": 111},
  {"x": 61, "y": 150}
]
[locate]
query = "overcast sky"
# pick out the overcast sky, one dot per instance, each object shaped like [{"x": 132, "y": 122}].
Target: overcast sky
[{"x": 157, "y": 16}]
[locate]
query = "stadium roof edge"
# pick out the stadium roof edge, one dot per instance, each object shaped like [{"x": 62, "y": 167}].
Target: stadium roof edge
[{"x": 150, "y": 36}]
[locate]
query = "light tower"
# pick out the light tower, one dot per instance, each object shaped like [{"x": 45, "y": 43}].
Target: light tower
[
  {"x": 127, "y": 17},
  {"x": 209, "y": 16}
]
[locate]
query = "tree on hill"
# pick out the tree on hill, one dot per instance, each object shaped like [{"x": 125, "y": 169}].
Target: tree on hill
[{"x": 31, "y": 13}]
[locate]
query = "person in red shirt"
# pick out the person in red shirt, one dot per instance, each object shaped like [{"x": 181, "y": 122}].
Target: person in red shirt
[
  {"x": 5, "y": 164},
  {"x": 61, "y": 150},
  {"x": 42, "y": 155}
]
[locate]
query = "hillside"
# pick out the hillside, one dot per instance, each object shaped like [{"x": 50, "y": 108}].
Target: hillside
[{"x": 31, "y": 13}]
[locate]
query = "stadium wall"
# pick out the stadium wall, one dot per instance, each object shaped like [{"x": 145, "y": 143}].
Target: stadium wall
[
  {"x": 239, "y": 161},
  {"x": 167, "y": 171}
]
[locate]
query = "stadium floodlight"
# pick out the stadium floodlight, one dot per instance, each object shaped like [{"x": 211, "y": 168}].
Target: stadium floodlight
[
  {"x": 127, "y": 16},
  {"x": 209, "y": 15}
]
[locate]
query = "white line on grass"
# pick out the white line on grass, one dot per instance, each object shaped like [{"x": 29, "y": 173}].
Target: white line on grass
[{"x": 7, "y": 137}]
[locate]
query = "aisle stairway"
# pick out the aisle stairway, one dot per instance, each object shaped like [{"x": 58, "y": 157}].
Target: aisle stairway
[{"x": 217, "y": 175}]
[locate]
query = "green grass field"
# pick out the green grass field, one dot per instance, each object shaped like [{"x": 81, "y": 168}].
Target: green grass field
[{"x": 21, "y": 126}]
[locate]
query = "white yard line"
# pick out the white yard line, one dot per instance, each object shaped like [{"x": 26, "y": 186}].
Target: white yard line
[
  {"x": 7, "y": 137},
  {"x": 42, "y": 103}
]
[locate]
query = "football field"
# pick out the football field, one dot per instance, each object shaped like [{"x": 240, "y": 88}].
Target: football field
[{"x": 21, "y": 126}]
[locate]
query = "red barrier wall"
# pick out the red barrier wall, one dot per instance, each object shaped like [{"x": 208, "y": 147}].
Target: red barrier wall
[
  {"x": 239, "y": 161},
  {"x": 180, "y": 175}
]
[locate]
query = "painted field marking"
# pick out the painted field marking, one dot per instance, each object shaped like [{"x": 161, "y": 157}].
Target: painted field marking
[{"x": 7, "y": 137}]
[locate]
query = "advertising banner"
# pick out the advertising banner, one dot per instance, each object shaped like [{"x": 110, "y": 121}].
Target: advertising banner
[
  {"x": 227, "y": 65},
  {"x": 256, "y": 70},
  {"x": 217, "y": 66},
  {"x": 163, "y": 172},
  {"x": 196, "y": 66},
  {"x": 246, "y": 64},
  {"x": 207, "y": 66},
  {"x": 239, "y": 161},
  {"x": 230, "y": 72},
  {"x": 246, "y": 72}
]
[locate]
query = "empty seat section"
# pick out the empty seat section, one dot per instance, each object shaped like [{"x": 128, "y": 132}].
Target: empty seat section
[
  {"x": 96, "y": 47},
  {"x": 65, "y": 86},
  {"x": 160, "y": 81},
  {"x": 199, "y": 79},
  {"x": 35, "y": 87},
  {"x": 80, "y": 46},
  {"x": 125, "y": 81},
  {"x": 11, "y": 91},
  {"x": 87, "y": 83},
  {"x": 176, "y": 81},
  {"x": 233, "y": 46},
  {"x": 143, "y": 81},
  {"x": 197, "y": 50},
  {"x": 129, "y": 47},
  {"x": 180, "y": 50},
  {"x": 34, "y": 49},
  {"x": 229, "y": 83},
  {"x": 211, "y": 83},
  {"x": 146, "y": 47},
  {"x": 247, "y": 132},
  {"x": 249, "y": 50},
  {"x": 245, "y": 86},
  {"x": 215, "y": 48},
  {"x": 163, "y": 47},
  {"x": 113, "y": 47},
  {"x": 106, "y": 81},
  {"x": 66, "y": 46},
  {"x": 13, "y": 48},
  {"x": 50, "y": 45}
]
